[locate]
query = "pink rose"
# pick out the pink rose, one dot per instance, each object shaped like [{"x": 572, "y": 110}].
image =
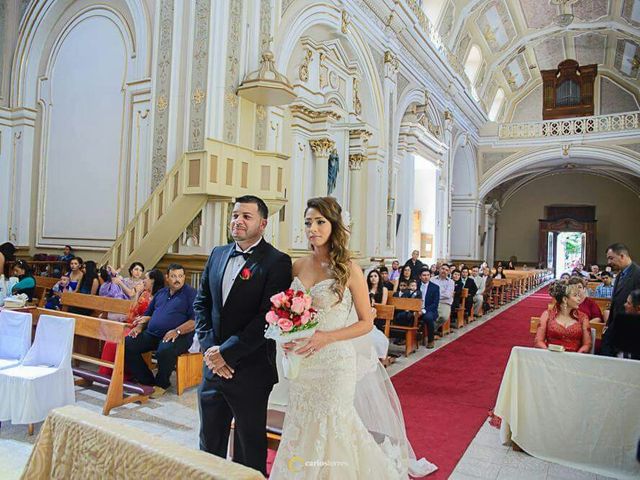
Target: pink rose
[
  {"x": 305, "y": 317},
  {"x": 279, "y": 299},
  {"x": 272, "y": 317},
  {"x": 307, "y": 302},
  {"x": 298, "y": 305},
  {"x": 285, "y": 324}
]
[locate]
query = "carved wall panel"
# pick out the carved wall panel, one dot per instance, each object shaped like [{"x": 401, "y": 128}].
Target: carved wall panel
[
  {"x": 199, "y": 75},
  {"x": 162, "y": 89},
  {"x": 231, "y": 100}
]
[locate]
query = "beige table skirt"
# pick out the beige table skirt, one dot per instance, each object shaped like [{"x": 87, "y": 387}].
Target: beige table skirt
[
  {"x": 75, "y": 443},
  {"x": 578, "y": 410}
]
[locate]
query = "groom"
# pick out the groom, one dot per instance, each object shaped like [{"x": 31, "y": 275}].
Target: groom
[{"x": 240, "y": 370}]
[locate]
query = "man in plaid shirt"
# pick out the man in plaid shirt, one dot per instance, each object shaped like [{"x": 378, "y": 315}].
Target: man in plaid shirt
[{"x": 606, "y": 289}]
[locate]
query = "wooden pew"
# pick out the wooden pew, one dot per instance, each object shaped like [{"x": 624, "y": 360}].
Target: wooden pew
[
  {"x": 106, "y": 331},
  {"x": 43, "y": 286},
  {"x": 603, "y": 303},
  {"x": 459, "y": 313},
  {"x": 410, "y": 332},
  {"x": 188, "y": 365},
  {"x": 386, "y": 313}
]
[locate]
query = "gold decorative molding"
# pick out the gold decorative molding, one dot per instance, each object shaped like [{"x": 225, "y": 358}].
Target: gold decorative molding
[
  {"x": 345, "y": 22},
  {"x": 322, "y": 146},
  {"x": 162, "y": 103},
  {"x": 448, "y": 116},
  {"x": 198, "y": 96},
  {"x": 324, "y": 71},
  {"x": 303, "y": 71},
  {"x": 391, "y": 59},
  {"x": 261, "y": 112},
  {"x": 357, "y": 104},
  {"x": 356, "y": 160},
  {"x": 314, "y": 115},
  {"x": 361, "y": 133}
]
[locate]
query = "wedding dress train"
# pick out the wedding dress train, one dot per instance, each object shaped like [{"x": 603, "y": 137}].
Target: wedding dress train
[{"x": 343, "y": 417}]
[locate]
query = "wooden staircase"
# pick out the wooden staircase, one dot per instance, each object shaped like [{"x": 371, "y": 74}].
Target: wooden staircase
[{"x": 221, "y": 172}]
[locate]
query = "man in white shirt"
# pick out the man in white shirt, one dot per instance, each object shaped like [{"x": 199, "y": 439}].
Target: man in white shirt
[
  {"x": 447, "y": 288},
  {"x": 481, "y": 282}
]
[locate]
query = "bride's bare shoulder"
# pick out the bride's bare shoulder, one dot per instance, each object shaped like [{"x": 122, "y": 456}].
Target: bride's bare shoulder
[
  {"x": 300, "y": 264},
  {"x": 355, "y": 271}
]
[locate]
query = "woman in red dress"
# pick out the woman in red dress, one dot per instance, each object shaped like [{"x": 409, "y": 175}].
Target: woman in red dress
[
  {"x": 587, "y": 305},
  {"x": 564, "y": 324},
  {"x": 153, "y": 281}
]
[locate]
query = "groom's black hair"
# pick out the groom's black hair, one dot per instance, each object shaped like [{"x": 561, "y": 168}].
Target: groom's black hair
[{"x": 262, "y": 207}]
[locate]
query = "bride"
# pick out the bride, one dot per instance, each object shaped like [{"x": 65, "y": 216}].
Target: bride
[{"x": 343, "y": 418}]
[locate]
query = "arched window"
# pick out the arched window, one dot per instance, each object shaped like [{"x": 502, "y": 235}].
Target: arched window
[
  {"x": 496, "y": 105},
  {"x": 472, "y": 64}
]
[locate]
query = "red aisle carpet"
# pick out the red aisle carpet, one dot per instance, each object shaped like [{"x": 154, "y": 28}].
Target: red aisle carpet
[{"x": 446, "y": 396}]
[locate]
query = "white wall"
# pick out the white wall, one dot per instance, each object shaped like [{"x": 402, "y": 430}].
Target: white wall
[
  {"x": 617, "y": 213},
  {"x": 82, "y": 135}
]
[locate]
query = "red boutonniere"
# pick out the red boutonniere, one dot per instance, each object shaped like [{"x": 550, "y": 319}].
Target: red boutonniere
[{"x": 245, "y": 273}]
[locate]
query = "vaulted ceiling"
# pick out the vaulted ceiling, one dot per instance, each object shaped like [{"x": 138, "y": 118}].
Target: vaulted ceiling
[{"x": 518, "y": 38}]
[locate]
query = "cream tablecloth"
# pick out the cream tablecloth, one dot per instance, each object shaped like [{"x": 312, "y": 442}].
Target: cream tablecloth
[
  {"x": 578, "y": 410},
  {"x": 75, "y": 443}
]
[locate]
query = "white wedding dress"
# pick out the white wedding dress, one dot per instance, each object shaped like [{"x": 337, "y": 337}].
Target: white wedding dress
[{"x": 343, "y": 418}]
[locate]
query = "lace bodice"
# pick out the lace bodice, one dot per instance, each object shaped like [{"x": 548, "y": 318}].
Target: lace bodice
[{"x": 331, "y": 315}]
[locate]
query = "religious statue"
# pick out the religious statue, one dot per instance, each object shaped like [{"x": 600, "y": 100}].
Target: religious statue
[{"x": 334, "y": 169}]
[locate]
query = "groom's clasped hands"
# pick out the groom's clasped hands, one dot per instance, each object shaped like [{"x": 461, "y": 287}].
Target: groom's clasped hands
[{"x": 214, "y": 361}]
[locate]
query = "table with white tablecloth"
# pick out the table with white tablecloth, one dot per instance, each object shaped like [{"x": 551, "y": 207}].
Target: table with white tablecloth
[{"x": 578, "y": 410}]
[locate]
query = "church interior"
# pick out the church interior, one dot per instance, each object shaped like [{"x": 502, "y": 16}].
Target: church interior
[{"x": 473, "y": 133}]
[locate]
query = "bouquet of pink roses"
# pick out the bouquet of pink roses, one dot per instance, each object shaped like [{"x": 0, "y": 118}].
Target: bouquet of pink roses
[{"x": 291, "y": 318}]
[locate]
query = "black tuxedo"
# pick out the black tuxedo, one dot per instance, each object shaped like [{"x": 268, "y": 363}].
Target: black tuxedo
[
  {"x": 237, "y": 327},
  {"x": 621, "y": 290}
]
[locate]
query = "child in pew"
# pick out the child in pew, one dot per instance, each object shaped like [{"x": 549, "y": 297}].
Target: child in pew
[
  {"x": 53, "y": 302},
  {"x": 403, "y": 317}
]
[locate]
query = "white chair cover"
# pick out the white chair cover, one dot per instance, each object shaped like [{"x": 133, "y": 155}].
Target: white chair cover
[
  {"x": 15, "y": 337},
  {"x": 44, "y": 380}
]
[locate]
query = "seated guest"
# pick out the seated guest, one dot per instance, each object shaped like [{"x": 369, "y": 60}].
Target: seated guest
[
  {"x": 67, "y": 255},
  {"x": 629, "y": 342},
  {"x": 131, "y": 286},
  {"x": 384, "y": 274},
  {"x": 152, "y": 282},
  {"x": 62, "y": 285},
  {"x": 111, "y": 289},
  {"x": 7, "y": 254},
  {"x": 89, "y": 284},
  {"x": 481, "y": 281},
  {"x": 605, "y": 290},
  {"x": 499, "y": 272},
  {"x": 166, "y": 327},
  {"x": 394, "y": 274},
  {"x": 471, "y": 287},
  {"x": 510, "y": 266},
  {"x": 565, "y": 277},
  {"x": 75, "y": 273},
  {"x": 431, "y": 298},
  {"x": 458, "y": 285},
  {"x": 26, "y": 283},
  {"x": 415, "y": 264},
  {"x": 488, "y": 286},
  {"x": 594, "y": 274},
  {"x": 434, "y": 270},
  {"x": 378, "y": 293},
  {"x": 587, "y": 306},
  {"x": 403, "y": 286},
  {"x": 405, "y": 317},
  {"x": 406, "y": 274},
  {"x": 564, "y": 325}
]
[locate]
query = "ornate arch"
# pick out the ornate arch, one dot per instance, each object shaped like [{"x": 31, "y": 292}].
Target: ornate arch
[{"x": 512, "y": 165}]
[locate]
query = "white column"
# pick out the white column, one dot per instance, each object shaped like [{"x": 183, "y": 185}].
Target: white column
[{"x": 355, "y": 207}]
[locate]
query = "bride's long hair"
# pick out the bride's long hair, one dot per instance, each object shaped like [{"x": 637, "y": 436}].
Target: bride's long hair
[{"x": 339, "y": 254}]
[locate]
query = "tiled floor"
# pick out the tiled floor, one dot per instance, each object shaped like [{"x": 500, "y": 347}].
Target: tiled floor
[{"x": 176, "y": 418}]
